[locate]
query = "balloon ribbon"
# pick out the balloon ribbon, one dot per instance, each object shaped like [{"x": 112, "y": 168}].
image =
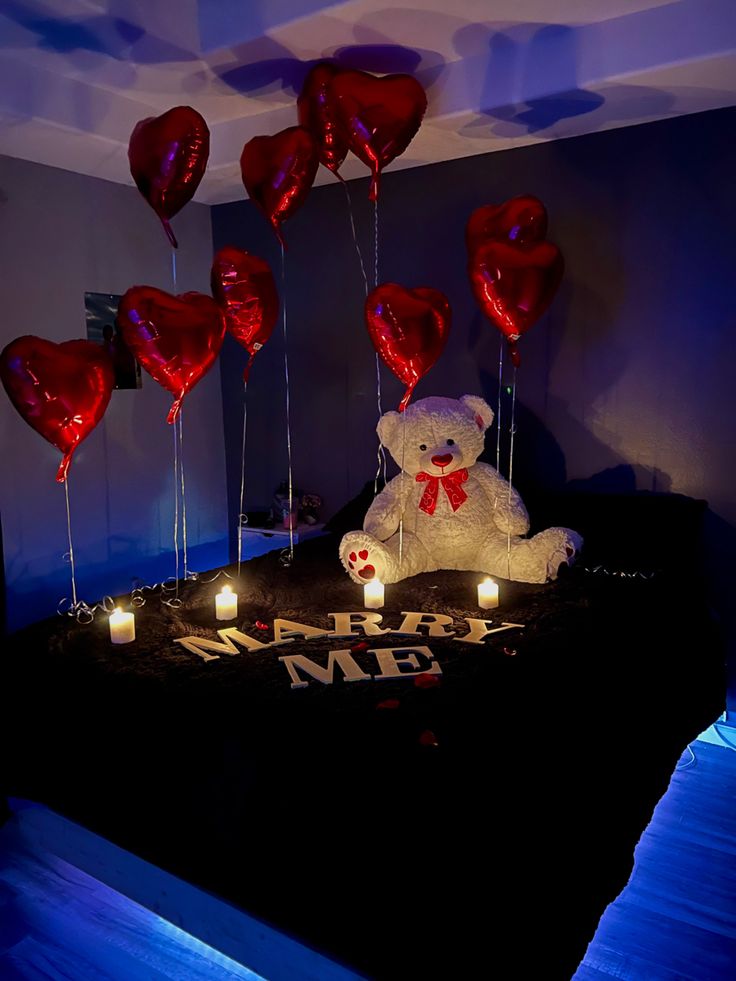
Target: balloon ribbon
[
  {"x": 512, "y": 433},
  {"x": 288, "y": 406}
]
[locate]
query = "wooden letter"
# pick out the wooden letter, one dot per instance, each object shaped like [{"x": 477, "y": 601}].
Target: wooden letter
[
  {"x": 290, "y": 629},
  {"x": 201, "y": 645},
  {"x": 368, "y": 622},
  {"x": 344, "y": 659},
  {"x": 482, "y": 628},
  {"x": 390, "y": 665},
  {"x": 435, "y": 621}
]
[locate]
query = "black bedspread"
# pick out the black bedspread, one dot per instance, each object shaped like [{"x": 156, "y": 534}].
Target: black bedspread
[{"x": 472, "y": 828}]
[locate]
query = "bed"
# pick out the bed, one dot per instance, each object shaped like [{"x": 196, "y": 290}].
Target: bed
[{"x": 471, "y": 816}]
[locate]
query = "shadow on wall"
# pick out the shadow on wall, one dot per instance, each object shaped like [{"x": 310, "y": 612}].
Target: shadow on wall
[
  {"x": 530, "y": 60},
  {"x": 539, "y": 469},
  {"x": 281, "y": 71},
  {"x": 525, "y": 59},
  {"x": 78, "y": 38}
]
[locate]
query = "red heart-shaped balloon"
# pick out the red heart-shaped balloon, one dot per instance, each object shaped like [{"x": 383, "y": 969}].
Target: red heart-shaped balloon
[
  {"x": 278, "y": 172},
  {"x": 244, "y": 287},
  {"x": 409, "y": 330},
  {"x": 515, "y": 284},
  {"x": 168, "y": 157},
  {"x": 317, "y": 114},
  {"x": 61, "y": 390},
  {"x": 522, "y": 219},
  {"x": 379, "y": 116},
  {"x": 175, "y": 338}
]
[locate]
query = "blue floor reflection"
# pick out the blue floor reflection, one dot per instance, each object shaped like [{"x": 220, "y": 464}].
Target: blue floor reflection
[{"x": 58, "y": 923}]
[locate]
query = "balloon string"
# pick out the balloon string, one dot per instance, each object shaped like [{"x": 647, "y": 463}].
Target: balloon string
[
  {"x": 355, "y": 237},
  {"x": 242, "y": 516},
  {"x": 381, "y": 453},
  {"x": 71, "y": 546},
  {"x": 288, "y": 404},
  {"x": 375, "y": 243},
  {"x": 178, "y": 483},
  {"x": 183, "y": 496},
  {"x": 512, "y": 431},
  {"x": 141, "y": 590},
  {"x": 81, "y": 611},
  {"x": 176, "y": 515},
  {"x": 401, "y": 496},
  {"x": 498, "y": 410}
]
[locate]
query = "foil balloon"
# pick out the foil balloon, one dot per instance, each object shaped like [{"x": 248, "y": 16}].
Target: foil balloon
[
  {"x": 522, "y": 219},
  {"x": 379, "y": 116},
  {"x": 317, "y": 114},
  {"x": 515, "y": 284},
  {"x": 61, "y": 390},
  {"x": 409, "y": 330},
  {"x": 278, "y": 172},
  {"x": 175, "y": 338},
  {"x": 244, "y": 288},
  {"x": 168, "y": 157}
]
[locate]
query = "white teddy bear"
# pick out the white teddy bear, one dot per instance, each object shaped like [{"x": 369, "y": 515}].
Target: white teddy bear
[{"x": 458, "y": 513}]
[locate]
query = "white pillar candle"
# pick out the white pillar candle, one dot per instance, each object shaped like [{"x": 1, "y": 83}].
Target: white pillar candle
[
  {"x": 122, "y": 627},
  {"x": 373, "y": 595},
  {"x": 488, "y": 594},
  {"x": 226, "y": 604}
]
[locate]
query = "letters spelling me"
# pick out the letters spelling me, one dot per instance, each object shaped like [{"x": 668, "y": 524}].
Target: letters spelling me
[{"x": 346, "y": 625}]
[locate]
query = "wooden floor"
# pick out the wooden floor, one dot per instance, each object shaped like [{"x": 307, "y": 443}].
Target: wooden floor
[
  {"x": 57, "y": 922},
  {"x": 676, "y": 919}
]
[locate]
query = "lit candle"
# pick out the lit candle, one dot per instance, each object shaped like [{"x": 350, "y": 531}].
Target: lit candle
[
  {"x": 122, "y": 627},
  {"x": 226, "y": 604},
  {"x": 487, "y": 594},
  {"x": 373, "y": 595}
]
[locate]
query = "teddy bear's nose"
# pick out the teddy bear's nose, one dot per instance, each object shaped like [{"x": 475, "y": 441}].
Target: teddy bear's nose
[{"x": 442, "y": 461}]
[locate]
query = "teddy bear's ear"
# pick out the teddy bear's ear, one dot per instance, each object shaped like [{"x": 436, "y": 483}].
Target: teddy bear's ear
[
  {"x": 481, "y": 410},
  {"x": 388, "y": 427}
]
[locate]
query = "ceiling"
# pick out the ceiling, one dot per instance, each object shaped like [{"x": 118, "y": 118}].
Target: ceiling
[{"x": 76, "y": 75}]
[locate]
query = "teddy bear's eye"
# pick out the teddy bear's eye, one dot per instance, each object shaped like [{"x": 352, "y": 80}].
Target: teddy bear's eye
[
  {"x": 422, "y": 447},
  {"x": 451, "y": 442}
]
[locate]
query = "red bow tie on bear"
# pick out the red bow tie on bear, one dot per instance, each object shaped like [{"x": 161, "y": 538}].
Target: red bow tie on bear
[{"x": 453, "y": 488}]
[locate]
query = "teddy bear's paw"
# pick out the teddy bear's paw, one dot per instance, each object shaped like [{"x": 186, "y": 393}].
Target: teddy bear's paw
[
  {"x": 564, "y": 546},
  {"x": 573, "y": 544},
  {"x": 363, "y": 557}
]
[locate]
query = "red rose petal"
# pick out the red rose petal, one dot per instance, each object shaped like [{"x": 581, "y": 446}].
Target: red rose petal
[
  {"x": 510, "y": 651},
  {"x": 428, "y": 738},
  {"x": 260, "y": 625},
  {"x": 362, "y": 645},
  {"x": 426, "y": 681},
  {"x": 389, "y": 703}
]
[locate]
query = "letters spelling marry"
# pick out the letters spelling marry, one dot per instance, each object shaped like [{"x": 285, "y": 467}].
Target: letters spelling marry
[{"x": 346, "y": 625}]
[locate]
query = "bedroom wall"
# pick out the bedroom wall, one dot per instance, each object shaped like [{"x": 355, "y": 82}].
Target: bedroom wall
[
  {"x": 64, "y": 234},
  {"x": 627, "y": 383}
]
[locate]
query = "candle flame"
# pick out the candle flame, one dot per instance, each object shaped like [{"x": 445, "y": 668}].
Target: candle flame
[
  {"x": 227, "y": 589},
  {"x": 118, "y": 610}
]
